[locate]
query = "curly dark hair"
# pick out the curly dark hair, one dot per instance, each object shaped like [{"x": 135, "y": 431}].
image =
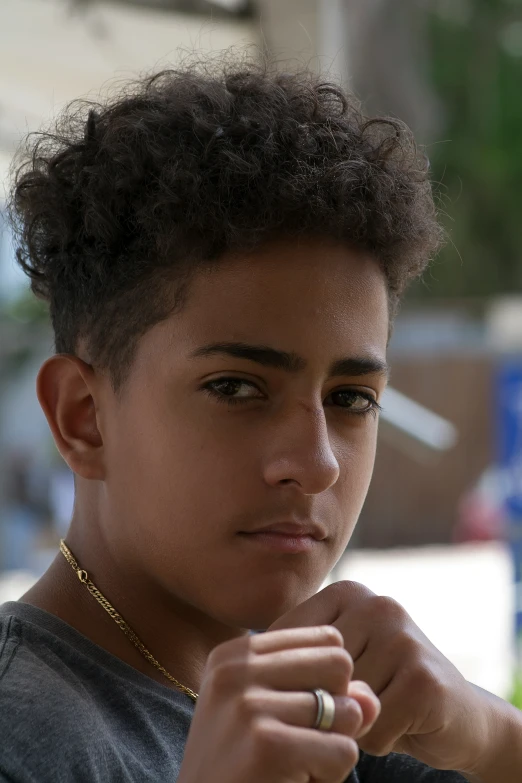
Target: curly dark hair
[{"x": 126, "y": 196}]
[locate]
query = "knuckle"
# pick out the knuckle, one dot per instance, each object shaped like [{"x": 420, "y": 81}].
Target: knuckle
[
  {"x": 227, "y": 650},
  {"x": 228, "y": 665},
  {"x": 402, "y": 646},
  {"x": 331, "y": 635},
  {"x": 224, "y": 677},
  {"x": 250, "y": 704},
  {"x": 425, "y": 684},
  {"x": 346, "y": 754},
  {"x": 351, "y": 716},
  {"x": 355, "y": 712},
  {"x": 385, "y": 608},
  {"x": 346, "y": 591},
  {"x": 340, "y": 661},
  {"x": 266, "y": 739},
  {"x": 215, "y": 656},
  {"x": 410, "y": 645}
]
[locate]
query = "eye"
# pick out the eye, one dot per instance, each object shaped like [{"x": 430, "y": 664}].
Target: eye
[
  {"x": 232, "y": 390},
  {"x": 354, "y": 401}
]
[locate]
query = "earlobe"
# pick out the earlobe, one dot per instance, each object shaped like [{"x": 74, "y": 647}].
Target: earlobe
[{"x": 67, "y": 391}]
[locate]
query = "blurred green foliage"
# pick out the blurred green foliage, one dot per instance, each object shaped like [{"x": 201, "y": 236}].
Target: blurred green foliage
[
  {"x": 25, "y": 328},
  {"x": 476, "y": 72},
  {"x": 516, "y": 697},
  {"x": 26, "y": 309}
]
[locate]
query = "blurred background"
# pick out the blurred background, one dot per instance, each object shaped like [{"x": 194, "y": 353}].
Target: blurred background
[{"x": 441, "y": 527}]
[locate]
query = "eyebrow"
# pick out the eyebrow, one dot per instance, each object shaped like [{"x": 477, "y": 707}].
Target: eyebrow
[{"x": 291, "y": 362}]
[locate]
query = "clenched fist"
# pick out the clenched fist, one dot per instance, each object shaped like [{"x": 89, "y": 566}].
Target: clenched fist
[
  {"x": 254, "y": 716},
  {"x": 428, "y": 709}
]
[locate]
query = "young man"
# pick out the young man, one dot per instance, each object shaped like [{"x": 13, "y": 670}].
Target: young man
[{"x": 223, "y": 251}]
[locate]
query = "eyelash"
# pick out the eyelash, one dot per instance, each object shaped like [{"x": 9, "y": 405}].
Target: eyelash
[{"x": 373, "y": 409}]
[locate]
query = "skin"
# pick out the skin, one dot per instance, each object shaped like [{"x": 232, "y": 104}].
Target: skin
[
  {"x": 166, "y": 475},
  {"x": 170, "y": 477}
]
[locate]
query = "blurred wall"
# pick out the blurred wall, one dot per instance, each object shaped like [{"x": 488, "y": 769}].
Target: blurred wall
[
  {"x": 414, "y": 497},
  {"x": 310, "y": 32}
]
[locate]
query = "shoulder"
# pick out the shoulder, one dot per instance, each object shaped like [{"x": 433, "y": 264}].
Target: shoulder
[
  {"x": 45, "y": 718},
  {"x": 35, "y": 675},
  {"x": 9, "y": 642},
  {"x": 71, "y": 711}
]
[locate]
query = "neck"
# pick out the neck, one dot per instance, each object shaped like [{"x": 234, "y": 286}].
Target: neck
[{"x": 179, "y": 636}]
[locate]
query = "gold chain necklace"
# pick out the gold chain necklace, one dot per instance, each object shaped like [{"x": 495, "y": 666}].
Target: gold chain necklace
[{"x": 124, "y": 626}]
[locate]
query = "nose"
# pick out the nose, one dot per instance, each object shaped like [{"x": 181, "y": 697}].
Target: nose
[{"x": 301, "y": 452}]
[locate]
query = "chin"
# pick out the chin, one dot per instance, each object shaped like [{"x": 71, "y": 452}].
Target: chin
[{"x": 258, "y": 614}]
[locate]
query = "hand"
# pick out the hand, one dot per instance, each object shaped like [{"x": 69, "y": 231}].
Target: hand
[
  {"x": 428, "y": 709},
  {"x": 255, "y": 711}
]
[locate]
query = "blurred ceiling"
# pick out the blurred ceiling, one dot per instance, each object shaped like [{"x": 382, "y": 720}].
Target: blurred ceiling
[
  {"x": 52, "y": 51},
  {"x": 188, "y": 6}
]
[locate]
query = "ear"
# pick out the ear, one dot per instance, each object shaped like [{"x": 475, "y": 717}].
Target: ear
[{"x": 68, "y": 391}]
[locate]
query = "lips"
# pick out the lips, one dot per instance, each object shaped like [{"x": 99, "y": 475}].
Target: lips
[{"x": 293, "y": 529}]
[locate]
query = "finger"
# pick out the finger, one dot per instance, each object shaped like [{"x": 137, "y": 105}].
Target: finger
[
  {"x": 292, "y": 638},
  {"x": 293, "y": 751},
  {"x": 368, "y": 702},
  {"x": 300, "y": 709},
  {"x": 377, "y": 626},
  {"x": 325, "y": 607},
  {"x": 304, "y": 669},
  {"x": 395, "y": 721},
  {"x": 356, "y": 631},
  {"x": 375, "y": 669}
]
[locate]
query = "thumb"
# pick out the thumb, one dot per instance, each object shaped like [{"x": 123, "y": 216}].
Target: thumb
[
  {"x": 323, "y": 608},
  {"x": 368, "y": 702}
]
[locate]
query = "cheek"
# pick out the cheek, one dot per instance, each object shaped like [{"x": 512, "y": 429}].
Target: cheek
[
  {"x": 178, "y": 472},
  {"x": 356, "y": 459}
]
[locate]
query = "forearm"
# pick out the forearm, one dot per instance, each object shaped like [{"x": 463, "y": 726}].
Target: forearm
[{"x": 504, "y": 762}]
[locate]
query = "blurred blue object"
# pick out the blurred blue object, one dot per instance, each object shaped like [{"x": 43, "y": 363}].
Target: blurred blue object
[
  {"x": 509, "y": 433},
  {"x": 24, "y": 512},
  {"x": 19, "y": 530},
  {"x": 509, "y": 456}
]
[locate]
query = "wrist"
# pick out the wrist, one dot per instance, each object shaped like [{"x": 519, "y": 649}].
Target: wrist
[{"x": 501, "y": 758}]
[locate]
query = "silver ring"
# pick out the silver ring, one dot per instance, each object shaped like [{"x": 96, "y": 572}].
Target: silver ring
[{"x": 325, "y": 710}]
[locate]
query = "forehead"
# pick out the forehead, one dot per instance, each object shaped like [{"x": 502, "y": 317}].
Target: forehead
[{"x": 312, "y": 297}]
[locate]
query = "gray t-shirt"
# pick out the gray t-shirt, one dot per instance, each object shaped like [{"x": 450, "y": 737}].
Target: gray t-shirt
[{"x": 70, "y": 712}]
